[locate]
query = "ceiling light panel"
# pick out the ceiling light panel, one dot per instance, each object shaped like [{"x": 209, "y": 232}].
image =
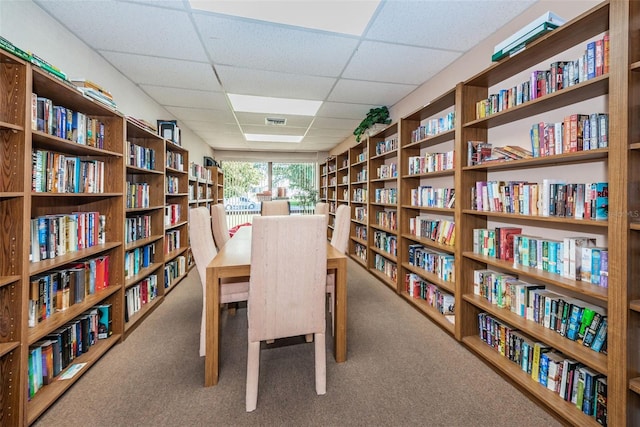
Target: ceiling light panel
[
  {"x": 272, "y": 138},
  {"x": 268, "y": 105},
  {"x": 346, "y": 17}
]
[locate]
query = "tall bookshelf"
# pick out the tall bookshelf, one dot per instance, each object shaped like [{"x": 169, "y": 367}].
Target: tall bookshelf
[
  {"x": 569, "y": 41},
  {"x": 217, "y": 188},
  {"x": 176, "y": 237},
  {"x": 358, "y": 189},
  {"x": 202, "y": 186},
  {"x": 98, "y": 193},
  {"x": 14, "y": 235},
  {"x": 342, "y": 185},
  {"x": 382, "y": 209},
  {"x": 144, "y": 219},
  {"x": 427, "y": 139}
]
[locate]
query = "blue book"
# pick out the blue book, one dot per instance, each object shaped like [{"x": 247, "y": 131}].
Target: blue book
[
  {"x": 601, "y": 336},
  {"x": 591, "y": 60}
]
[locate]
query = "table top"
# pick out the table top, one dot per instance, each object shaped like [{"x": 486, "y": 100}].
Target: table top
[{"x": 237, "y": 252}]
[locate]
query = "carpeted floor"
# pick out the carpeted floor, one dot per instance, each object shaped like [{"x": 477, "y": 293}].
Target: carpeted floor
[{"x": 402, "y": 370}]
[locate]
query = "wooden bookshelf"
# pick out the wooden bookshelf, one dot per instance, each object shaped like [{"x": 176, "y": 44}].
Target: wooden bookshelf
[
  {"x": 176, "y": 215},
  {"x": 144, "y": 229},
  {"x": 27, "y": 194},
  {"x": 358, "y": 200},
  {"x": 382, "y": 209}
]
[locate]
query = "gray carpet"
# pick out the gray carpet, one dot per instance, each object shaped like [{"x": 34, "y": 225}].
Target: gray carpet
[{"x": 402, "y": 370}]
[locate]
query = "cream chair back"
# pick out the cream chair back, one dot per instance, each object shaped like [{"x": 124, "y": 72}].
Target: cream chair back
[
  {"x": 275, "y": 207},
  {"x": 219, "y": 225},
  {"x": 340, "y": 236}
]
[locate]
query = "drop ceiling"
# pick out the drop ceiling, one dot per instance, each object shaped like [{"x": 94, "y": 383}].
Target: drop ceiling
[{"x": 188, "y": 59}]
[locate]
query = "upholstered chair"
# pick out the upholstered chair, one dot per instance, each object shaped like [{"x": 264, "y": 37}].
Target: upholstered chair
[
  {"x": 275, "y": 207},
  {"x": 340, "y": 241},
  {"x": 204, "y": 250},
  {"x": 287, "y": 290},
  {"x": 322, "y": 208},
  {"x": 219, "y": 225}
]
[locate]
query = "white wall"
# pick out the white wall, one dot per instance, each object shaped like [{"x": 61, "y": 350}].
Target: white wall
[{"x": 30, "y": 28}]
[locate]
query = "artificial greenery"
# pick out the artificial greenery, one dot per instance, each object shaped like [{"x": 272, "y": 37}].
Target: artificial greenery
[{"x": 375, "y": 115}]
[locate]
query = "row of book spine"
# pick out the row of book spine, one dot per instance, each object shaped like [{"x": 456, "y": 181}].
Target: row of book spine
[
  {"x": 360, "y": 195},
  {"x": 138, "y": 195},
  {"x": 428, "y": 196},
  {"x": 58, "y": 290},
  {"x": 137, "y": 259},
  {"x": 65, "y": 123},
  {"x": 172, "y": 185},
  {"x": 140, "y": 156},
  {"x": 139, "y": 295},
  {"x": 432, "y": 127},
  {"x": 172, "y": 214},
  {"x": 572, "y": 318},
  {"x": 175, "y": 160},
  {"x": 360, "y": 251},
  {"x": 431, "y": 162},
  {"x": 419, "y": 288},
  {"x": 137, "y": 227},
  {"x": 52, "y": 236},
  {"x": 385, "y": 242},
  {"x": 361, "y": 232},
  {"x": 551, "y": 197},
  {"x": 54, "y": 172},
  {"x": 561, "y": 74},
  {"x": 171, "y": 241},
  {"x": 571, "y": 380},
  {"x": 387, "y": 219},
  {"x": 386, "y": 195},
  {"x": 174, "y": 269},
  {"x": 386, "y": 267},
  {"x": 385, "y": 171},
  {"x": 199, "y": 172},
  {"x": 387, "y": 146},
  {"x": 360, "y": 213},
  {"x": 439, "y": 230},
  {"x": 440, "y": 264},
  {"x": 577, "y": 132},
  {"x": 48, "y": 358}
]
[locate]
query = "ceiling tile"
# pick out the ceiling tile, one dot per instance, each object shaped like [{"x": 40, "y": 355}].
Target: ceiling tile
[
  {"x": 164, "y": 72},
  {"x": 155, "y": 31},
  {"x": 197, "y": 114},
  {"x": 369, "y": 92},
  {"x": 323, "y": 141},
  {"x": 424, "y": 64},
  {"x": 434, "y": 23},
  {"x": 168, "y": 96},
  {"x": 344, "y": 110},
  {"x": 332, "y": 123},
  {"x": 273, "y": 130},
  {"x": 258, "y": 119},
  {"x": 272, "y": 47},
  {"x": 213, "y": 124},
  {"x": 333, "y": 133},
  {"x": 246, "y": 81}
]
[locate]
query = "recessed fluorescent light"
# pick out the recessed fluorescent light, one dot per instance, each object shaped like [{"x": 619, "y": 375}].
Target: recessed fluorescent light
[
  {"x": 272, "y": 138},
  {"x": 268, "y": 105},
  {"x": 346, "y": 17}
]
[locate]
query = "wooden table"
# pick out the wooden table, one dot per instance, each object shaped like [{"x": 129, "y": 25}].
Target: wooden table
[{"x": 234, "y": 260}]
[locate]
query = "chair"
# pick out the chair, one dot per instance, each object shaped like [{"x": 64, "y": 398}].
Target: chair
[
  {"x": 275, "y": 207},
  {"x": 322, "y": 209},
  {"x": 340, "y": 241},
  {"x": 204, "y": 249},
  {"x": 287, "y": 290},
  {"x": 219, "y": 225}
]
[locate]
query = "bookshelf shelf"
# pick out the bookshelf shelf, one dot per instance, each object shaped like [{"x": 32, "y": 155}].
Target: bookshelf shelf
[
  {"x": 537, "y": 218},
  {"x": 144, "y": 272},
  {"x": 142, "y": 242},
  {"x": 60, "y": 318},
  {"x": 8, "y": 347},
  {"x": 173, "y": 254},
  {"x": 429, "y": 311},
  {"x": 8, "y": 280},
  {"x": 548, "y": 399},
  {"x": 383, "y": 278},
  {"x": 585, "y": 355},
  {"x": 558, "y": 159},
  {"x": 544, "y": 277},
  {"x": 176, "y": 225},
  {"x": 10, "y": 126},
  {"x": 42, "y": 400},
  {"x": 634, "y": 305},
  {"x": 634, "y": 385},
  {"x": 137, "y": 318},
  {"x": 430, "y": 277},
  {"x": 10, "y": 195},
  {"x": 59, "y": 261},
  {"x": 417, "y": 176}
]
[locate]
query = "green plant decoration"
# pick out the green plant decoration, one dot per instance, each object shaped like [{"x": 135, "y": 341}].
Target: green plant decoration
[{"x": 375, "y": 115}]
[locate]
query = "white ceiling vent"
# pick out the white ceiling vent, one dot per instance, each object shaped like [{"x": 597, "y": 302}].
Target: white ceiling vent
[{"x": 275, "y": 121}]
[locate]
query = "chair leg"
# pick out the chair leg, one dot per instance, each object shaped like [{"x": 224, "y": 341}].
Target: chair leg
[
  {"x": 253, "y": 370},
  {"x": 308, "y": 338},
  {"x": 332, "y": 311},
  {"x": 321, "y": 364}
]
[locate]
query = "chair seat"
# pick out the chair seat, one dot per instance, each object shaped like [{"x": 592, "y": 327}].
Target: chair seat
[{"x": 234, "y": 289}]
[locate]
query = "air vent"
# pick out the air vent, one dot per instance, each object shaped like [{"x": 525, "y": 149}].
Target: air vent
[{"x": 275, "y": 121}]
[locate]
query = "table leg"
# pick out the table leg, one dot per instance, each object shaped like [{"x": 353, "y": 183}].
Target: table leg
[
  {"x": 212, "y": 328},
  {"x": 340, "y": 307}
]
